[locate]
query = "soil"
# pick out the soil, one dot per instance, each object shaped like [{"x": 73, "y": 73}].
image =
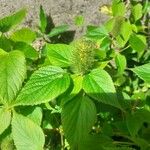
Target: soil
[{"x": 61, "y": 11}]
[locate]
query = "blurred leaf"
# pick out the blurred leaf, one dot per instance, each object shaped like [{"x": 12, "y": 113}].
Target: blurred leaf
[
  {"x": 118, "y": 8},
  {"x": 79, "y": 20},
  {"x": 120, "y": 63},
  {"x": 6, "y": 44},
  {"x": 137, "y": 11},
  {"x": 8, "y": 22},
  {"x": 124, "y": 35},
  {"x": 117, "y": 26},
  {"x": 137, "y": 42},
  {"x": 27, "y": 49},
  {"x": 24, "y": 35},
  {"x": 5, "y": 119}
]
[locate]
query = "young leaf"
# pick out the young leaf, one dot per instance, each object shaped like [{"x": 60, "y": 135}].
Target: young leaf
[
  {"x": 143, "y": 72},
  {"x": 99, "y": 85},
  {"x": 26, "y": 133},
  {"x": 44, "y": 85},
  {"x": 59, "y": 54},
  {"x": 24, "y": 35},
  {"x": 12, "y": 73},
  {"x": 118, "y": 8},
  {"x": 78, "y": 117},
  {"x": 79, "y": 20},
  {"x": 5, "y": 118},
  {"x": 10, "y": 21},
  {"x": 43, "y": 20},
  {"x": 58, "y": 30},
  {"x": 137, "y": 42},
  {"x": 27, "y": 49},
  {"x": 137, "y": 11},
  {"x": 120, "y": 63}
]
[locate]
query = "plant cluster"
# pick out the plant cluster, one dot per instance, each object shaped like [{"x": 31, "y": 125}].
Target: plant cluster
[{"x": 87, "y": 94}]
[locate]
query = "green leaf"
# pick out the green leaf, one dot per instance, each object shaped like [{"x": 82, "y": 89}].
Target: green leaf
[
  {"x": 78, "y": 117},
  {"x": 8, "y": 22},
  {"x": 58, "y": 30},
  {"x": 77, "y": 87},
  {"x": 96, "y": 32},
  {"x": 118, "y": 8},
  {"x": 117, "y": 26},
  {"x": 26, "y": 133},
  {"x": 134, "y": 123},
  {"x": 143, "y": 72},
  {"x": 137, "y": 42},
  {"x": 44, "y": 85},
  {"x": 24, "y": 35},
  {"x": 125, "y": 32},
  {"x": 59, "y": 54},
  {"x": 6, "y": 44},
  {"x": 136, "y": 120},
  {"x": 79, "y": 20},
  {"x": 12, "y": 73},
  {"x": 99, "y": 85},
  {"x": 137, "y": 11},
  {"x": 27, "y": 49},
  {"x": 96, "y": 142},
  {"x": 43, "y": 20},
  {"x": 5, "y": 118},
  {"x": 120, "y": 63},
  {"x": 33, "y": 113}
]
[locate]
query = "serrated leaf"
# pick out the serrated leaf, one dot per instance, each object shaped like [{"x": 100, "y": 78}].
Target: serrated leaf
[
  {"x": 120, "y": 63},
  {"x": 118, "y": 8},
  {"x": 27, "y": 49},
  {"x": 137, "y": 42},
  {"x": 143, "y": 72},
  {"x": 58, "y": 30},
  {"x": 43, "y": 19},
  {"x": 12, "y": 74},
  {"x": 137, "y": 11},
  {"x": 8, "y": 22},
  {"x": 78, "y": 117},
  {"x": 26, "y": 133},
  {"x": 24, "y": 35},
  {"x": 59, "y": 54},
  {"x": 5, "y": 118},
  {"x": 44, "y": 85},
  {"x": 99, "y": 85}
]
